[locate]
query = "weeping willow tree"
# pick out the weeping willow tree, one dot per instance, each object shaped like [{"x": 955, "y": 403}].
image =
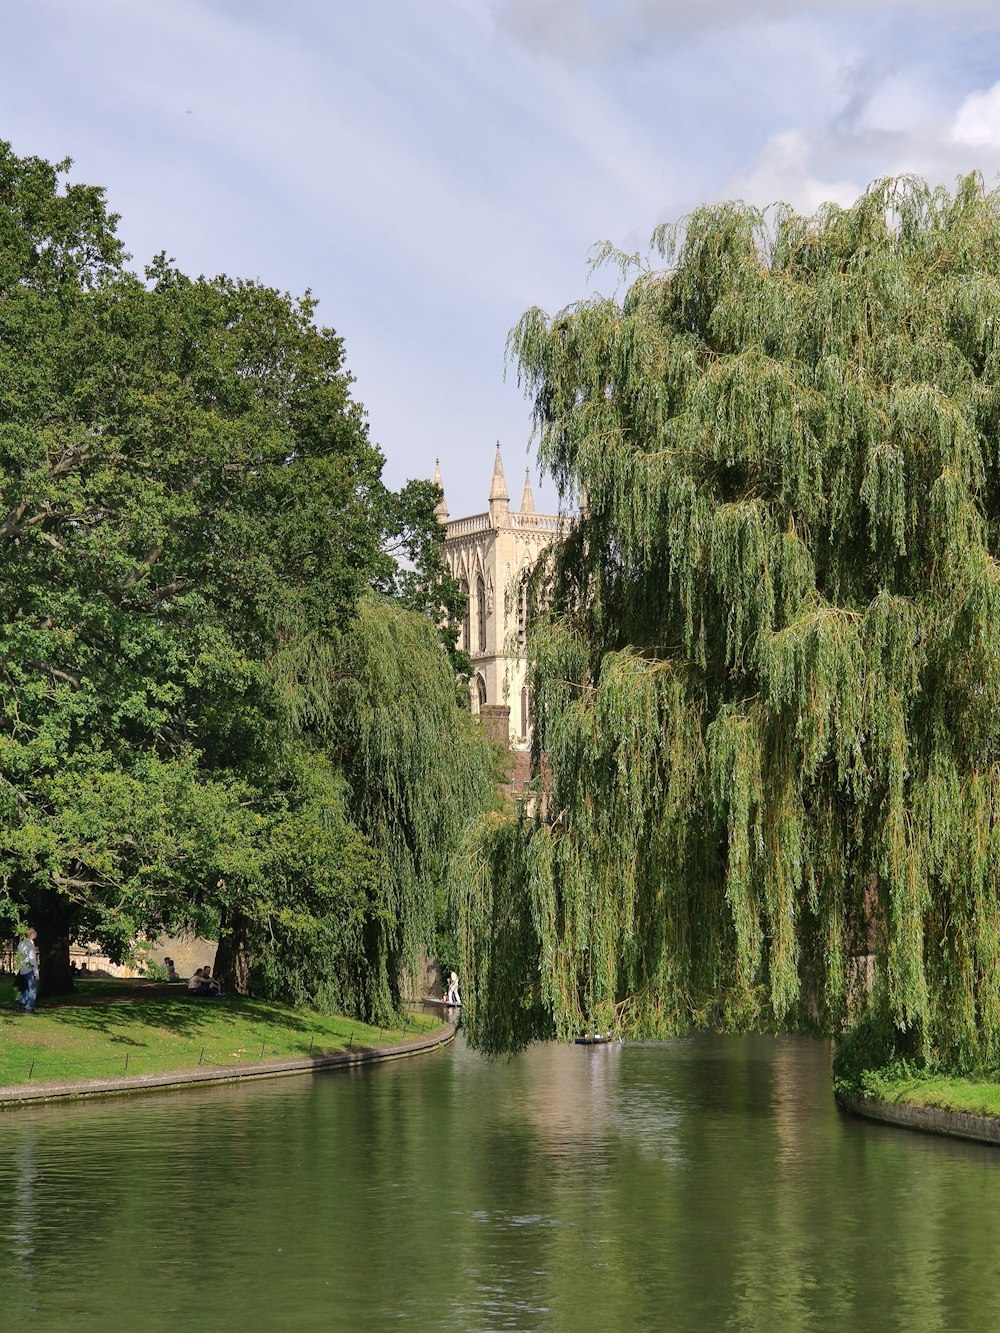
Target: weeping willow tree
[
  {"x": 397, "y": 771},
  {"x": 768, "y": 677},
  {"x": 418, "y": 769}
]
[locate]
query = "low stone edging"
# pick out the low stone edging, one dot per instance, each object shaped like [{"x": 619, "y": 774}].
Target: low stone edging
[
  {"x": 28, "y": 1094},
  {"x": 927, "y": 1119}
]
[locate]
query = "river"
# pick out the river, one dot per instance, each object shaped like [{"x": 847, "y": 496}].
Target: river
[{"x": 701, "y": 1184}]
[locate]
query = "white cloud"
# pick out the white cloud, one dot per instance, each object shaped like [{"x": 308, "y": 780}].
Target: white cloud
[
  {"x": 785, "y": 173},
  {"x": 893, "y": 134},
  {"x": 897, "y": 104},
  {"x": 430, "y": 169},
  {"x": 977, "y": 121}
]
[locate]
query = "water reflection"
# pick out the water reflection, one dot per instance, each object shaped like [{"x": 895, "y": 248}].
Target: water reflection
[
  {"x": 24, "y": 1219},
  {"x": 699, "y": 1184}
]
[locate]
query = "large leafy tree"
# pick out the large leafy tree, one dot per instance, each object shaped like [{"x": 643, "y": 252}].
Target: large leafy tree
[
  {"x": 769, "y": 681},
  {"x": 191, "y": 510}
]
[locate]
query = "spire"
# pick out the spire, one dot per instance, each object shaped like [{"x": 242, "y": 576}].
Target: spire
[
  {"x": 527, "y": 499},
  {"x": 441, "y": 508},
  {"x": 499, "y": 495},
  {"x": 498, "y": 487}
]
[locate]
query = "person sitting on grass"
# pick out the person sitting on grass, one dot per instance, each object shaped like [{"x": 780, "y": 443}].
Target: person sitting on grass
[
  {"x": 168, "y": 963},
  {"x": 203, "y": 983},
  {"x": 214, "y": 987}
]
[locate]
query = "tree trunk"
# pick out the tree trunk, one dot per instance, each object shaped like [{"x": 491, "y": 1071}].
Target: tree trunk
[
  {"x": 232, "y": 958},
  {"x": 52, "y": 919}
]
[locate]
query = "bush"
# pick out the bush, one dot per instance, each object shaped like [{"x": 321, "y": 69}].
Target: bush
[{"x": 871, "y": 1050}]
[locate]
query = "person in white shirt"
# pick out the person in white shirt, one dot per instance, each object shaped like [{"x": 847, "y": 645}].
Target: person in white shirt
[{"x": 26, "y": 963}]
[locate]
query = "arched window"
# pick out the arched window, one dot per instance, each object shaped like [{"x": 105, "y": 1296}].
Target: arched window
[
  {"x": 481, "y": 611},
  {"x": 466, "y": 624},
  {"x": 524, "y": 711},
  {"x": 480, "y": 691}
]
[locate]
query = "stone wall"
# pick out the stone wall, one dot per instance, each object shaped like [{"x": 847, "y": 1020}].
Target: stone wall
[{"x": 189, "y": 952}]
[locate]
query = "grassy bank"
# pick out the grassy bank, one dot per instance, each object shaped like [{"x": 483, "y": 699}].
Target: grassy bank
[
  {"x": 146, "y": 1036},
  {"x": 938, "y": 1090}
]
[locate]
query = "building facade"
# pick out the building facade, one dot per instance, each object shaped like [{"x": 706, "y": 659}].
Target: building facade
[{"x": 491, "y": 554}]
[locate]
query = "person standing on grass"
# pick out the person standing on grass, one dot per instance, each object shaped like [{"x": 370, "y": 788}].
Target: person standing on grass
[{"x": 26, "y": 962}]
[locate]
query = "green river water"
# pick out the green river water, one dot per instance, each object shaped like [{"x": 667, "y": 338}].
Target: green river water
[{"x": 701, "y": 1184}]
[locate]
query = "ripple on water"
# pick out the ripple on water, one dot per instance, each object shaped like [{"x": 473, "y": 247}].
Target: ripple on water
[{"x": 700, "y": 1184}]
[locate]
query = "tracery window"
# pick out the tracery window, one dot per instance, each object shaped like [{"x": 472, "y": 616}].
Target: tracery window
[
  {"x": 481, "y": 691},
  {"x": 522, "y": 611},
  {"x": 481, "y": 611}
]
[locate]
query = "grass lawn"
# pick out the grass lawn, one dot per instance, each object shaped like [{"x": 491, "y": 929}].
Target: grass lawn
[
  {"x": 949, "y": 1094},
  {"x": 145, "y": 1036}
]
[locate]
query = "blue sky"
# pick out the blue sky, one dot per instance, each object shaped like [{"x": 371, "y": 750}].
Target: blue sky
[{"x": 431, "y": 168}]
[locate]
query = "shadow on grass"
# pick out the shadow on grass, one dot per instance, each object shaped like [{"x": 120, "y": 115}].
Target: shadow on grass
[
  {"x": 181, "y": 1017},
  {"x": 202, "y": 1018},
  {"x": 231, "y": 1031}
]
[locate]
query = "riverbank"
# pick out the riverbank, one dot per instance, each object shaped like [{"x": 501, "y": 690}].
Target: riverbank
[
  {"x": 931, "y": 1103},
  {"x": 116, "y": 1043}
]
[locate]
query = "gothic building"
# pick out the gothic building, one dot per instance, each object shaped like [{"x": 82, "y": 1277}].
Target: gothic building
[{"x": 491, "y": 554}]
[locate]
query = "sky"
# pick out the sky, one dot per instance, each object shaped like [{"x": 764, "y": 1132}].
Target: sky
[{"x": 430, "y": 169}]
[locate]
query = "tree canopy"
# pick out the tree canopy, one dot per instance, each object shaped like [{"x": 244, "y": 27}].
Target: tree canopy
[
  {"x": 194, "y": 541},
  {"x": 768, "y": 680}
]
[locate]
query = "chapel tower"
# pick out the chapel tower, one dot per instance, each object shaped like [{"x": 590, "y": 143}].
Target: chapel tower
[{"x": 491, "y": 555}]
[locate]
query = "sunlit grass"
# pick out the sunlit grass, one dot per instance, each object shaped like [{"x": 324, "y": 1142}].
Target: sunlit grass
[
  {"x": 948, "y": 1094},
  {"x": 156, "y": 1035}
]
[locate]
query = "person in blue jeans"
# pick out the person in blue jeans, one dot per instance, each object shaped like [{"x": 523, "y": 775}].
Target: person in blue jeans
[{"x": 26, "y": 963}]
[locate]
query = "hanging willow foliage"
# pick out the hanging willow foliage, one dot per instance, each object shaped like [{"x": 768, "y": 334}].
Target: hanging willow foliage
[
  {"x": 768, "y": 682},
  {"x": 380, "y": 703},
  {"x": 418, "y": 770}
]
